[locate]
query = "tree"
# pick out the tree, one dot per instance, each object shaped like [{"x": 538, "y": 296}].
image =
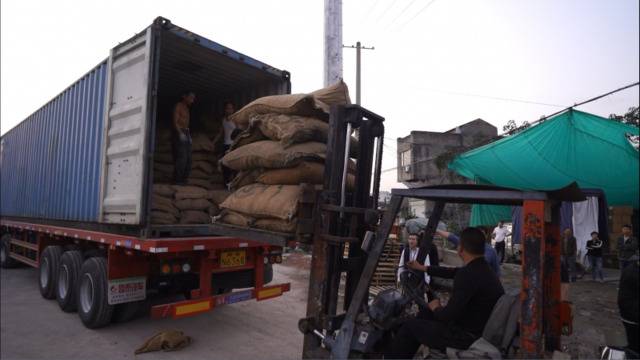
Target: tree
[
  {"x": 511, "y": 127},
  {"x": 632, "y": 117}
]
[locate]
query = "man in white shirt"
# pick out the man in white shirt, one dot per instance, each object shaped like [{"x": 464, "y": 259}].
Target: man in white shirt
[
  {"x": 410, "y": 253},
  {"x": 229, "y": 132},
  {"x": 500, "y": 234}
]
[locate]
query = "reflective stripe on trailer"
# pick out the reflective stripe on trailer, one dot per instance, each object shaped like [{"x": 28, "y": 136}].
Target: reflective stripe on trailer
[{"x": 193, "y": 307}]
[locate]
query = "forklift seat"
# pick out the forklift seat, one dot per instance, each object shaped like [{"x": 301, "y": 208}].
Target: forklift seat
[{"x": 499, "y": 333}]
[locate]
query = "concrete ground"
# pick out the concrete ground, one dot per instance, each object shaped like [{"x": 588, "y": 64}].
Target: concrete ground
[{"x": 34, "y": 328}]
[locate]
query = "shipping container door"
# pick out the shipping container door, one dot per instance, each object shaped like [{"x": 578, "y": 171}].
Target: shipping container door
[{"x": 126, "y": 121}]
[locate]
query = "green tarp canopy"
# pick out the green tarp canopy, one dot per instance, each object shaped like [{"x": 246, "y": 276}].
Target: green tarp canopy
[
  {"x": 572, "y": 146},
  {"x": 489, "y": 215}
]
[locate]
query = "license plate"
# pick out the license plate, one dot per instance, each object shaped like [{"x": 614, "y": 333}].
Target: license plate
[{"x": 233, "y": 258}]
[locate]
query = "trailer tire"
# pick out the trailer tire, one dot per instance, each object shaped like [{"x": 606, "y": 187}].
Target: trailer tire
[
  {"x": 68, "y": 274},
  {"x": 93, "y": 303},
  {"x": 48, "y": 269},
  {"x": 6, "y": 261}
]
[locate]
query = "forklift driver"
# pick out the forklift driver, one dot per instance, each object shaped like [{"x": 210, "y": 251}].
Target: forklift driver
[{"x": 476, "y": 289}]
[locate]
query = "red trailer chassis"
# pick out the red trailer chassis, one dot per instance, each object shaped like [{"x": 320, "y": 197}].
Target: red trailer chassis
[{"x": 134, "y": 258}]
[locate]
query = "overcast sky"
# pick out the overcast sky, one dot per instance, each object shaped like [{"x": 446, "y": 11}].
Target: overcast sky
[{"x": 436, "y": 64}]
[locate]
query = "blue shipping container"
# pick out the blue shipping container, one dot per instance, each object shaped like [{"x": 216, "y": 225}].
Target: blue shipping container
[
  {"x": 86, "y": 156},
  {"x": 51, "y": 161}
]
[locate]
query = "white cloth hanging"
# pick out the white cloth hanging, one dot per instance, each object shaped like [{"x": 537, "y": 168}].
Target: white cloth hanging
[{"x": 585, "y": 220}]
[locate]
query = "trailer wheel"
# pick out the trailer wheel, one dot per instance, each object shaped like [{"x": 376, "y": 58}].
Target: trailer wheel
[
  {"x": 6, "y": 261},
  {"x": 93, "y": 304},
  {"x": 49, "y": 266},
  {"x": 67, "y": 287}
]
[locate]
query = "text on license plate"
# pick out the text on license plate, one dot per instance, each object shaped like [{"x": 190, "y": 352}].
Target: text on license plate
[{"x": 233, "y": 258}]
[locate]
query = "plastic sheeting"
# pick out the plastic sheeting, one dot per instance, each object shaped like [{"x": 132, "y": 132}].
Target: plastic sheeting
[
  {"x": 572, "y": 146},
  {"x": 489, "y": 215}
]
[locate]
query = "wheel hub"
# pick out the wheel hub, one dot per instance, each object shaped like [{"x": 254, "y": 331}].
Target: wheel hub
[
  {"x": 86, "y": 293},
  {"x": 44, "y": 272}
]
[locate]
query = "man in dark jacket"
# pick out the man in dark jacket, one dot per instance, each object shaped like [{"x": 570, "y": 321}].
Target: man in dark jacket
[
  {"x": 627, "y": 247},
  {"x": 569, "y": 250},
  {"x": 476, "y": 289},
  {"x": 628, "y": 303}
]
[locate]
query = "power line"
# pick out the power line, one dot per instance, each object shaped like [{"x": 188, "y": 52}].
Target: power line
[
  {"x": 400, "y": 14},
  {"x": 574, "y": 105},
  {"x": 366, "y": 17},
  {"x": 492, "y": 97},
  {"x": 534, "y": 122},
  {"x": 417, "y": 14},
  {"x": 385, "y": 11}
]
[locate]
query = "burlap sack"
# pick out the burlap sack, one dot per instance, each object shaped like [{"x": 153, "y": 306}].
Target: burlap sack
[
  {"x": 213, "y": 210},
  {"x": 163, "y": 218},
  {"x": 163, "y": 135},
  {"x": 244, "y": 178},
  {"x": 265, "y": 201},
  {"x": 205, "y": 166},
  {"x": 234, "y": 218},
  {"x": 202, "y": 156},
  {"x": 164, "y": 147},
  {"x": 194, "y": 217},
  {"x": 295, "y": 104},
  {"x": 248, "y": 136},
  {"x": 203, "y": 183},
  {"x": 285, "y": 226},
  {"x": 336, "y": 94},
  {"x": 272, "y": 155},
  {"x": 218, "y": 196},
  {"x": 163, "y": 168},
  {"x": 217, "y": 186},
  {"x": 163, "y": 157},
  {"x": 306, "y": 172},
  {"x": 198, "y": 174},
  {"x": 216, "y": 178},
  {"x": 200, "y": 142},
  {"x": 189, "y": 192},
  {"x": 164, "y": 204},
  {"x": 290, "y": 129},
  {"x": 193, "y": 204},
  {"x": 165, "y": 190}
]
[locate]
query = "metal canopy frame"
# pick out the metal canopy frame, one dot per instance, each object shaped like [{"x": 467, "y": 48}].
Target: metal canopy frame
[{"x": 540, "y": 326}]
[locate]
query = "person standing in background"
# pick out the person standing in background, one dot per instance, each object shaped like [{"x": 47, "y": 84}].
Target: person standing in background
[
  {"x": 569, "y": 250},
  {"x": 627, "y": 247},
  {"x": 500, "y": 234},
  {"x": 594, "y": 251},
  {"x": 182, "y": 137}
]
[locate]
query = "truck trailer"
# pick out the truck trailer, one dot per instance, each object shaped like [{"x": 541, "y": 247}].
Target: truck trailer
[{"x": 76, "y": 186}]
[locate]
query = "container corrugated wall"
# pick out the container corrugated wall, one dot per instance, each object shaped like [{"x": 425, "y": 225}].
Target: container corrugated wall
[{"x": 50, "y": 163}]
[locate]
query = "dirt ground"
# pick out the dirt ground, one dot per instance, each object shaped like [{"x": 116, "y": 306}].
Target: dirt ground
[{"x": 34, "y": 328}]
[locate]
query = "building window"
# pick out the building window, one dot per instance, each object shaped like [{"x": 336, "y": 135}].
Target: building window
[{"x": 405, "y": 160}]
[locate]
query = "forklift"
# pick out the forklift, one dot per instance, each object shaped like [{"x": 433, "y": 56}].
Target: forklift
[{"x": 352, "y": 328}]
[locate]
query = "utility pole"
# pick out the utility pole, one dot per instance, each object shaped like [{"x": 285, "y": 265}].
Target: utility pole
[
  {"x": 332, "y": 41},
  {"x": 358, "y": 48}
]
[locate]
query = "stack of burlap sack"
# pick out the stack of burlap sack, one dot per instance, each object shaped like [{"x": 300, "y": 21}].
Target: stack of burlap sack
[
  {"x": 178, "y": 204},
  {"x": 204, "y": 161},
  {"x": 283, "y": 145}
]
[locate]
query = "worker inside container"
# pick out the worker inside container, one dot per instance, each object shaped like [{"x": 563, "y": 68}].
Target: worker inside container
[
  {"x": 459, "y": 323},
  {"x": 229, "y": 133},
  {"x": 182, "y": 137}
]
